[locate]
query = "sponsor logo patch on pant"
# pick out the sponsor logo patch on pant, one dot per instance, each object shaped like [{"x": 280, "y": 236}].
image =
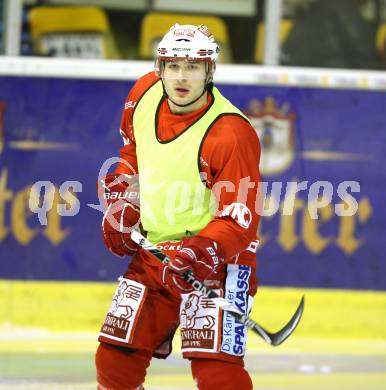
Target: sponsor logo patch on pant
[
  {"x": 122, "y": 316},
  {"x": 234, "y": 333},
  {"x": 199, "y": 323},
  {"x": 206, "y": 328}
]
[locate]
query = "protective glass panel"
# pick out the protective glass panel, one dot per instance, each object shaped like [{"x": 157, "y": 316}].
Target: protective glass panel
[{"x": 333, "y": 34}]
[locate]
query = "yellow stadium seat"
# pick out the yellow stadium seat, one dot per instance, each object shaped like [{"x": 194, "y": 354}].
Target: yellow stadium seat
[
  {"x": 72, "y": 31},
  {"x": 155, "y": 25},
  {"x": 285, "y": 28},
  {"x": 381, "y": 38}
]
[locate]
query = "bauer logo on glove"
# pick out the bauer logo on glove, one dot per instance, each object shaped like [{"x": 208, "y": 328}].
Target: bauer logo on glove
[{"x": 122, "y": 214}]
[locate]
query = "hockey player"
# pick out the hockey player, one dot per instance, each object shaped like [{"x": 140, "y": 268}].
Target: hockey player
[{"x": 196, "y": 157}]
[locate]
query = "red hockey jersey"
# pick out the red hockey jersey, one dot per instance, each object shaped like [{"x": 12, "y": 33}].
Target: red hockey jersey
[{"x": 230, "y": 153}]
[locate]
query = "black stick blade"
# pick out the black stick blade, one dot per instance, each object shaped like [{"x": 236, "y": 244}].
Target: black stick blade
[{"x": 280, "y": 336}]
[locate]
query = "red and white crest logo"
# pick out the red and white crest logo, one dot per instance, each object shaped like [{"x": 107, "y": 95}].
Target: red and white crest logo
[
  {"x": 275, "y": 127},
  {"x": 240, "y": 213}
]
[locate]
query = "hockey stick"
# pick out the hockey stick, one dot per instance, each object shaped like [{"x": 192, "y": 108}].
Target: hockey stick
[{"x": 270, "y": 338}]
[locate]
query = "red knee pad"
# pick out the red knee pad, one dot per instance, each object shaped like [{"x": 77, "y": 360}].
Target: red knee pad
[
  {"x": 211, "y": 374},
  {"x": 120, "y": 368}
]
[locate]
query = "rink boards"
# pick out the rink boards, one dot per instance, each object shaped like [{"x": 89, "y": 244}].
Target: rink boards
[{"x": 319, "y": 129}]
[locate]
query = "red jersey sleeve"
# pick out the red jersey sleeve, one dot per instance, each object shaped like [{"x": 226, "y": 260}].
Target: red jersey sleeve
[
  {"x": 127, "y": 154},
  {"x": 229, "y": 160}
]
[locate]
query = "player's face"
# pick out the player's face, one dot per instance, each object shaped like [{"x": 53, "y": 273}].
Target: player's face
[{"x": 184, "y": 81}]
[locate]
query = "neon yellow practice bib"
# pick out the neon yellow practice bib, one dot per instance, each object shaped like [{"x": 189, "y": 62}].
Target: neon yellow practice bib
[{"x": 173, "y": 198}]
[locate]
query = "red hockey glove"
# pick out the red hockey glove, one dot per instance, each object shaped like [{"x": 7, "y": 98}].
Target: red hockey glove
[
  {"x": 121, "y": 215},
  {"x": 199, "y": 255}
]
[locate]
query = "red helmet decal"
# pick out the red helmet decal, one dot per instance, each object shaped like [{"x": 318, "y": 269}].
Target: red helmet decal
[
  {"x": 205, "y": 30},
  {"x": 184, "y": 31}
]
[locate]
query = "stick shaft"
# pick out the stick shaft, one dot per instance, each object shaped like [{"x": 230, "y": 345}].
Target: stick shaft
[{"x": 270, "y": 338}]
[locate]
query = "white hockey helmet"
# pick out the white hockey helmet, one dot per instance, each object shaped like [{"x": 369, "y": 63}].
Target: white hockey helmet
[{"x": 188, "y": 42}]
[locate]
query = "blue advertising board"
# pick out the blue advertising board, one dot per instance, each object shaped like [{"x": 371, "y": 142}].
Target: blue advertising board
[{"x": 62, "y": 130}]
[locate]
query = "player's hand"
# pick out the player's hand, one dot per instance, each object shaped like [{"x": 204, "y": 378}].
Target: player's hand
[
  {"x": 200, "y": 255},
  {"x": 121, "y": 215}
]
